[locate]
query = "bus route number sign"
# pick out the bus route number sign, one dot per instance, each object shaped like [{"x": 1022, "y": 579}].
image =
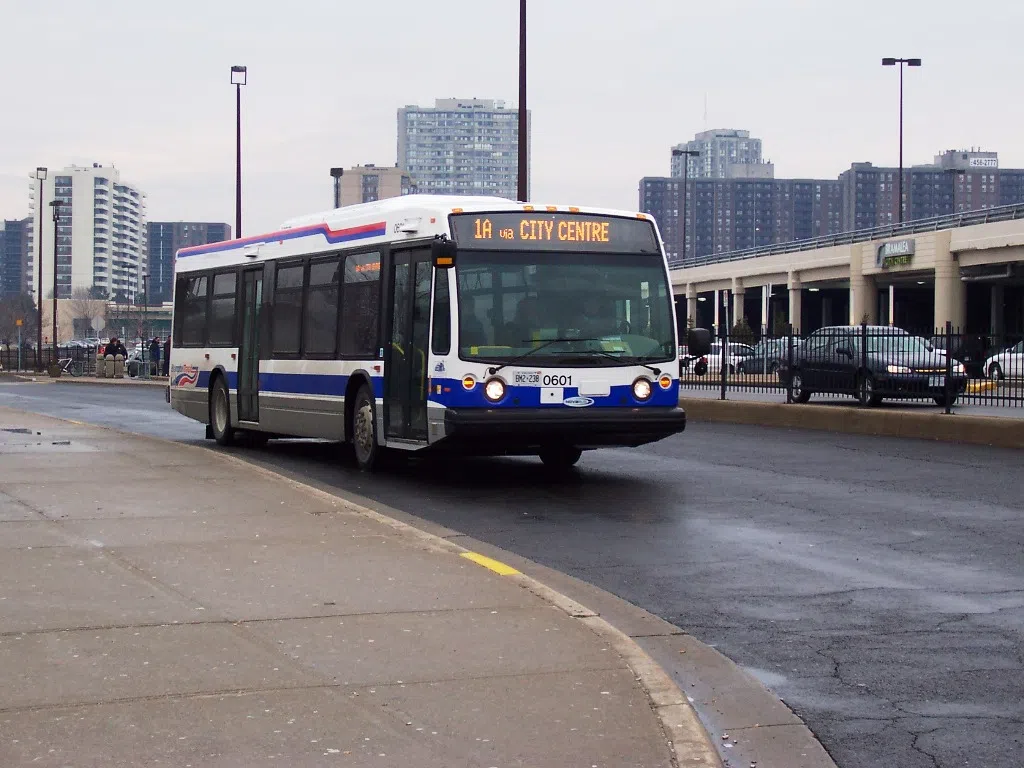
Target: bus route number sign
[{"x": 553, "y": 231}]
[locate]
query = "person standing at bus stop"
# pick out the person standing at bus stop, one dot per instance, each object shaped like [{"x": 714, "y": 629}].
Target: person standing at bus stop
[
  {"x": 167, "y": 357},
  {"x": 154, "y": 356}
]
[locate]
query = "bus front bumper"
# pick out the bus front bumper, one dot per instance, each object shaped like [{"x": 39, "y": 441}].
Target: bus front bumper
[{"x": 515, "y": 430}]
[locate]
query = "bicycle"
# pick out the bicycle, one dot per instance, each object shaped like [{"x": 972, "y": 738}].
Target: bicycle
[{"x": 71, "y": 366}]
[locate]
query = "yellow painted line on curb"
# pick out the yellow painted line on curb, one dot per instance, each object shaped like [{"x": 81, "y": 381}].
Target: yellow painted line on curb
[{"x": 495, "y": 565}]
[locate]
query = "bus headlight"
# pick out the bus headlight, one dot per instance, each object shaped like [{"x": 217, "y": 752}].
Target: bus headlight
[
  {"x": 494, "y": 390},
  {"x": 642, "y": 389}
]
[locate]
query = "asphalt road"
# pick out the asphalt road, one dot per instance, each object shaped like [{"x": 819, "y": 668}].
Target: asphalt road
[{"x": 876, "y": 585}]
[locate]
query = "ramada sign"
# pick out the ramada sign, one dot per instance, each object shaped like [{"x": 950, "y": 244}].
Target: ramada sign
[{"x": 898, "y": 253}]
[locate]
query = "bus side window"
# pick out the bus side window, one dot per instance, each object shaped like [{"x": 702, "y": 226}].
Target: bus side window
[
  {"x": 360, "y": 305},
  {"x": 287, "y": 322},
  {"x": 442, "y": 330},
  {"x": 193, "y": 321}
]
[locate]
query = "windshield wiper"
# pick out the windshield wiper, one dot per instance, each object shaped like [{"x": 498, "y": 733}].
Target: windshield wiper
[
  {"x": 493, "y": 370},
  {"x": 622, "y": 359}
]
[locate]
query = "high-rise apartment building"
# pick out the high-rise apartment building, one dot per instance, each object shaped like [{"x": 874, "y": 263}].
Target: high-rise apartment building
[
  {"x": 100, "y": 236},
  {"x": 462, "y": 147},
  {"x": 956, "y": 182},
  {"x": 746, "y": 210},
  {"x": 367, "y": 183},
  {"x": 166, "y": 238},
  {"x": 724, "y": 153},
  {"x": 14, "y": 257},
  {"x": 731, "y": 214}
]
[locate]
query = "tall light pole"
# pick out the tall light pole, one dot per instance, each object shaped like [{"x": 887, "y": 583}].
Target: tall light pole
[
  {"x": 336, "y": 174},
  {"x": 41, "y": 175},
  {"x": 686, "y": 154},
  {"x": 55, "y": 204},
  {"x": 522, "y": 192},
  {"x": 891, "y": 62},
  {"x": 238, "y": 75}
]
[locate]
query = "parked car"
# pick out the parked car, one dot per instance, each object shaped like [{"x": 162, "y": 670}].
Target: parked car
[
  {"x": 893, "y": 364},
  {"x": 712, "y": 362},
  {"x": 969, "y": 349},
  {"x": 1006, "y": 364},
  {"x": 767, "y": 356}
]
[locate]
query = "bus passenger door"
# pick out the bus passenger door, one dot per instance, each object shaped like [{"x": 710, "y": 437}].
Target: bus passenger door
[
  {"x": 405, "y": 388},
  {"x": 249, "y": 346}
]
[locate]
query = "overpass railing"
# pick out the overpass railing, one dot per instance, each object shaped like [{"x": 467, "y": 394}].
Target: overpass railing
[{"x": 949, "y": 221}]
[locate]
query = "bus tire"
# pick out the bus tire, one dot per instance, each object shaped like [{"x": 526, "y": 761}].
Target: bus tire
[
  {"x": 560, "y": 456},
  {"x": 364, "y": 430},
  {"x": 220, "y": 413}
]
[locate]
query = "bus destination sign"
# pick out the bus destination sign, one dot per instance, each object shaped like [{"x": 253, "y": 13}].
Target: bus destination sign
[{"x": 532, "y": 230}]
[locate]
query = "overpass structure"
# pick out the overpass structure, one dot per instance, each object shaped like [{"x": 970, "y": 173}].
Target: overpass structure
[{"x": 965, "y": 268}]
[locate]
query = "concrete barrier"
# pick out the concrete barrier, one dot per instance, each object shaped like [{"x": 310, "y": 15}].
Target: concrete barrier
[{"x": 955, "y": 428}]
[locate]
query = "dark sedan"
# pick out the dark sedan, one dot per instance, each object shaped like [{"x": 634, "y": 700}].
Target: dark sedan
[{"x": 871, "y": 364}]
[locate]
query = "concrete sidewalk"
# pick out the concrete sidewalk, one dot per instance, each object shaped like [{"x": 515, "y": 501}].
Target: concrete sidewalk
[{"x": 167, "y": 604}]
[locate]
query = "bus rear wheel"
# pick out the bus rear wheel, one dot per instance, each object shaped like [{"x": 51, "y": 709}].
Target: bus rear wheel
[
  {"x": 560, "y": 456},
  {"x": 364, "y": 430},
  {"x": 220, "y": 413}
]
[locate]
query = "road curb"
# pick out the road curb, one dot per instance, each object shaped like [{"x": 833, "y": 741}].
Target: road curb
[
  {"x": 126, "y": 382},
  {"x": 680, "y": 725},
  {"x": 954, "y": 428}
]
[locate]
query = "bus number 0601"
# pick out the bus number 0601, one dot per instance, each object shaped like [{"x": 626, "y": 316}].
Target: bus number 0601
[{"x": 552, "y": 380}]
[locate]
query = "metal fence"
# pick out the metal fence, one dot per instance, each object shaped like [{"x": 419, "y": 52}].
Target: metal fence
[
  {"x": 74, "y": 359},
  {"x": 943, "y": 367}
]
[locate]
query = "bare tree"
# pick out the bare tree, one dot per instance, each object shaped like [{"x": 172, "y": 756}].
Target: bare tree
[
  {"x": 84, "y": 309},
  {"x": 15, "y": 308}
]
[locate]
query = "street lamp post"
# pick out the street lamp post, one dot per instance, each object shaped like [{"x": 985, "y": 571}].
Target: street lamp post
[
  {"x": 336, "y": 174},
  {"x": 238, "y": 76},
  {"x": 55, "y": 204},
  {"x": 892, "y": 62},
  {"x": 686, "y": 154},
  {"x": 41, "y": 175},
  {"x": 522, "y": 192}
]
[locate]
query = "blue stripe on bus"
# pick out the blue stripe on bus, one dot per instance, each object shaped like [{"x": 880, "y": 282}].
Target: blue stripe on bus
[
  {"x": 619, "y": 396},
  {"x": 297, "y": 383}
]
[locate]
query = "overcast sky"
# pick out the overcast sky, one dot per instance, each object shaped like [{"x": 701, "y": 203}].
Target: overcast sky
[{"x": 612, "y": 85}]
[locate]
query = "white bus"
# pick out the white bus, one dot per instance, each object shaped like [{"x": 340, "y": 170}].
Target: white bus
[{"x": 472, "y": 324}]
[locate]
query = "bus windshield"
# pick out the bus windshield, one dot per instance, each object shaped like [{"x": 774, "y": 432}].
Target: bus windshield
[{"x": 604, "y": 308}]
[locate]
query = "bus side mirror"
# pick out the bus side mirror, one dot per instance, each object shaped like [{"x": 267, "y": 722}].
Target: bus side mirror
[
  {"x": 443, "y": 253},
  {"x": 698, "y": 342}
]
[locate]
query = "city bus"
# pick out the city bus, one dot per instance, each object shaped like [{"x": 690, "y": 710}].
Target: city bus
[{"x": 476, "y": 325}]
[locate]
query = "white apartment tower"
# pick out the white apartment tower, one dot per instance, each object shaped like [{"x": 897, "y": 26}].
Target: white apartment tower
[
  {"x": 724, "y": 153},
  {"x": 101, "y": 233},
  {"x": 462, "y": 147}
]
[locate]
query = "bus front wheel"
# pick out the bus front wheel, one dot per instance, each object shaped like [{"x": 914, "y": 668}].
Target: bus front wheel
[
  {"x": 560, "y": 456},
  {"x": 364, "y": 430}
]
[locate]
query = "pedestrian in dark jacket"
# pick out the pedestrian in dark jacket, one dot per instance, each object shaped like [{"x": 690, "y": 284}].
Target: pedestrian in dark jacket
[
  {"x": 154, "y": 356},
  {"x": 167, "y": 356},
  {"x": 115, "y": 348}
]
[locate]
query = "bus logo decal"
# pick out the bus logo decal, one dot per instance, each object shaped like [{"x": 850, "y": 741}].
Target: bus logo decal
[
  {"x": 188, "y": 377},
  {"x": 578, "y": 402}
]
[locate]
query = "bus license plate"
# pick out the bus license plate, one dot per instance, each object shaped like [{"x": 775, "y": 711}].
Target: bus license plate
[
  {"x": 937, "y": 381},
  {"x": 526, "y": 378}
]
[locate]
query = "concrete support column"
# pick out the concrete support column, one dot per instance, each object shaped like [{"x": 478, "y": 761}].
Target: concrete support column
[
  {"x": 691, "y": 305},
  {"x": 737, "y": 301},
  {"x": 997, "y": 310},
  {"x": 863, "y": 293},
  {"x": 796, "y": 294},
  {"x": 950, "y": 291}
]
